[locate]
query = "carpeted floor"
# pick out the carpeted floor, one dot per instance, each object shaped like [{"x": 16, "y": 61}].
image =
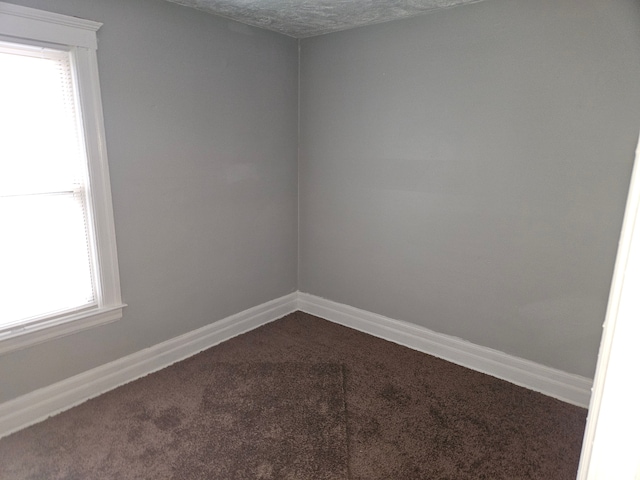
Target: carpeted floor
[{"x": 302, "y": 398}]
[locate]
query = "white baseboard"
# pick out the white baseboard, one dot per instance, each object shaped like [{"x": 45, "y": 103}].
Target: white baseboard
[
  {"x": 38, "y": 405},
  {"x": 564, "y": 386}
]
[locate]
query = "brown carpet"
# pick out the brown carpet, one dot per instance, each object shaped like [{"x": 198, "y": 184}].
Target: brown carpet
[{"x": 302, "y": 398}]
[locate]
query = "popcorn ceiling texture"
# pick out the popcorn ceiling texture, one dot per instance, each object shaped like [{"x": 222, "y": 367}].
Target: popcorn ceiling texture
[{"x": 307, "y": 18}]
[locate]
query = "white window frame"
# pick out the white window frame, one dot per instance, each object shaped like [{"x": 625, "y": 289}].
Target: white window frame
[{"x": 20, "y": 24}]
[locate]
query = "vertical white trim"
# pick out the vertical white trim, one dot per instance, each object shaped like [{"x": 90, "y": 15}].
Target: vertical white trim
[
  {"x": 99, "y": 179},
  {"x": 605, "y": 443}
]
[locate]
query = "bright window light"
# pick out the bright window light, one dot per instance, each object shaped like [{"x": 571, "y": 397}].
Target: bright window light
[
  {"x": 58, "y": 257},
  {"x": 46, "y": 256}
]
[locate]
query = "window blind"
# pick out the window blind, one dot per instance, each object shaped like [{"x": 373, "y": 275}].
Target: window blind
[{"x": 46, "y": 251}]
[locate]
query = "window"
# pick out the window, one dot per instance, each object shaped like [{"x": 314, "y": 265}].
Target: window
[{"x": 58, "y": 263}]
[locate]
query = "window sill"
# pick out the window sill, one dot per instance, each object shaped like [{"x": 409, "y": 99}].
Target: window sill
[{"x": 27, "y": 336}]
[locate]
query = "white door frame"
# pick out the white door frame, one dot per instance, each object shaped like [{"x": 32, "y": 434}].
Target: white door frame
[{"x": 611, "y": 447}]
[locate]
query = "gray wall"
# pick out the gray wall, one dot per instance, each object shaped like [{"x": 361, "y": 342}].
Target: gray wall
[
  {"x": 467, "y": 170},
  {"x": 201, "y": 121}
]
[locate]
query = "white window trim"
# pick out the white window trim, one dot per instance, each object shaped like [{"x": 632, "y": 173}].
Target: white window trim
[{"x": 25, "y": 24}]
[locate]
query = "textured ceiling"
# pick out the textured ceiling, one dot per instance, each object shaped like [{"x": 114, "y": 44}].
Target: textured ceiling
[{"x": 306, "y": 18}]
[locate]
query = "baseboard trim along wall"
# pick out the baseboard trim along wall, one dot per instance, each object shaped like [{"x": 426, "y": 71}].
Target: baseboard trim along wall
[
  {"x": 38, "y": 405},
  {"x": 564, "y": 386}
]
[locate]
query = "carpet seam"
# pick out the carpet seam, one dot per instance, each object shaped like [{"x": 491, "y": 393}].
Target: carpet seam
[{"x": 343, "y": 369}]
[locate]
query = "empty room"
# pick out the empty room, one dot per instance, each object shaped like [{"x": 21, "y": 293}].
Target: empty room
[{"x": 315, "y": 239}]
